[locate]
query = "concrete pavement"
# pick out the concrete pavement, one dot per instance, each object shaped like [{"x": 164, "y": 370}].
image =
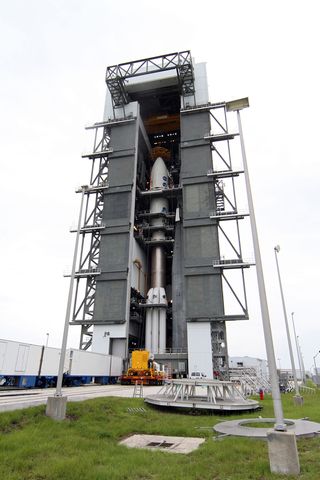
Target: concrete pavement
[{"x": 17, "y": 399}]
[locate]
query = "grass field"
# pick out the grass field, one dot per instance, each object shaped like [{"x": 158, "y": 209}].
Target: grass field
[{"x": 85, "y": 446}]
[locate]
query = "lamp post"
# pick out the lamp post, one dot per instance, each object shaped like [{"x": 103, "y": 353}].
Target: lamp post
[
  {"x": 302, "y": 363},
  {"x": 315, "y": 365},
  {"x": 297, "y": 346},
  {"x": 280, "y": 425},
  {"x": 298, "y": 398},
  {"x": 279, "y": 439},
  {"x": 315, "y": 368},
  {"x": 47, "y": 340},
  {"x": 56, "y": 405}
]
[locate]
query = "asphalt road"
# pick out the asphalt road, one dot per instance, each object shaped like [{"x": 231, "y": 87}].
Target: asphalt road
[{"x": 17, "y": 399}]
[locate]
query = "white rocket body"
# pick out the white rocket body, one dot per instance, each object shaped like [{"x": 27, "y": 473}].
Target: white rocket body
[{"x": 156, "y": 331}]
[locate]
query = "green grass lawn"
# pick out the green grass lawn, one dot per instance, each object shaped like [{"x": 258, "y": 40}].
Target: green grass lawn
[{"x": 85, "y": 446}]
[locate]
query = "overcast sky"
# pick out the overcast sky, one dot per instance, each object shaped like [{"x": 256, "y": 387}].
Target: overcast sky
[{"x": 53, "y": 56}]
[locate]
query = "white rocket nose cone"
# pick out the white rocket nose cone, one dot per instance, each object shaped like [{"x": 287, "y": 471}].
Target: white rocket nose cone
[{"x": 159, "y": 175}]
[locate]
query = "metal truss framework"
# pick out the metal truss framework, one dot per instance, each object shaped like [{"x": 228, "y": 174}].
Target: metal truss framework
[
  {"x": 202, "y": 394},
  {"x": 226, "y": 203},
  {"x": 226, "y": 210},
  {"x": 117, "y": 75},
  {"x": 91, "y": 233}
]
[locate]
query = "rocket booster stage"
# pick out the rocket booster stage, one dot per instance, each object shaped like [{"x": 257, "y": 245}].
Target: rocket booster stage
[{"x": 156, "y": 313}]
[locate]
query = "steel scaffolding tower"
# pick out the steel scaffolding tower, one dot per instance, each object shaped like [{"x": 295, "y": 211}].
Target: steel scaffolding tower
[{"x": 160, "y": 103}]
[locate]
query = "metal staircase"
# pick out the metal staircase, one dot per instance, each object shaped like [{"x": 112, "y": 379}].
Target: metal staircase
[{"x": 249, "y": 379}]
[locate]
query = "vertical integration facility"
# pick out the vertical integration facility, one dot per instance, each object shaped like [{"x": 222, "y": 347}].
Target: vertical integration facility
[{"x": 160, "y": 202}]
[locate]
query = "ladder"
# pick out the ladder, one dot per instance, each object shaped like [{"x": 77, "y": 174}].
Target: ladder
[
  {"x": 138, "y": 390},
  {"x": 219, "y": 194}
]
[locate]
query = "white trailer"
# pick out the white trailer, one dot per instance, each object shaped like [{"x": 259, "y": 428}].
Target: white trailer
[
  {"x": 116, "y": 366},
  {"x": 84, "y": 363},
  {"x": 17, "y": 358},
  {"x": 27, "y": 365},
  {"x": 50, "y": 362}
]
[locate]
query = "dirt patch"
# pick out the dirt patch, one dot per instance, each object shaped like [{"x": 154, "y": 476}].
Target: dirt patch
[{"x": 72, "y": 417}]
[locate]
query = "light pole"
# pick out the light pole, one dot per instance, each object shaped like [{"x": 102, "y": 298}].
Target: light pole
[
  {"x": 315, "y": 365},
  {"x": 297, "y": 346},
  {"x": 298, "y": 399},
  {"x": 280, "y": 425},
  {"x": 316, "y": 369},
  {"x": 56, "y": 406},
  {"x": 47, "y": 340},
  {"x": 302, "y": 363},
  {"x": 278, "y": 439}
]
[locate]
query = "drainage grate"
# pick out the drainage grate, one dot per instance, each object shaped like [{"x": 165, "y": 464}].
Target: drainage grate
[
  {"x": 137, "y": 410},
  {"x": 160, "y": 444}
]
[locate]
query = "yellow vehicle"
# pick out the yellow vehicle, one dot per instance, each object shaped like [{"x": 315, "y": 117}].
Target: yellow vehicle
[{"x": 142, "y": 370}]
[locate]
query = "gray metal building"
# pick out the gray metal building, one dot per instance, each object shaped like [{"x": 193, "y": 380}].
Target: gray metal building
[{"x": 159, "y": 107}]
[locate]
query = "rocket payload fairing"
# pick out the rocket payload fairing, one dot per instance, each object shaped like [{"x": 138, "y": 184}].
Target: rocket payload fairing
[{"x": 157, "y": 300}]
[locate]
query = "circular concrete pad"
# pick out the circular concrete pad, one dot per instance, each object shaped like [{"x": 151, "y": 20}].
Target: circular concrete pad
[{"x": 237, "y": 428}]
